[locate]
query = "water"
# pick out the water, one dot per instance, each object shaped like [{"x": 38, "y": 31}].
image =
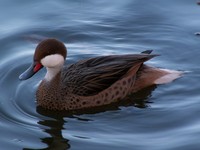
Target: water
[{"x": 164, "y": 117}]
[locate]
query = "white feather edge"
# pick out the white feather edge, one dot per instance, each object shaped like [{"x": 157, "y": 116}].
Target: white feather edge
[{"x": 170, "y": 76}]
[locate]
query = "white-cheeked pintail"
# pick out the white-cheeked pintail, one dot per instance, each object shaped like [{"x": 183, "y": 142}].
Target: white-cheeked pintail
[{"x": 92, "y": 82}]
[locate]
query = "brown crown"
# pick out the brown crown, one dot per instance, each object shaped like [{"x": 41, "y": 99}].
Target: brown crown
[{"x": 49, "y": 47}]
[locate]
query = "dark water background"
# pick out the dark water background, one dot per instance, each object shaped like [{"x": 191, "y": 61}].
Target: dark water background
[{"x": 166, "y": 117}]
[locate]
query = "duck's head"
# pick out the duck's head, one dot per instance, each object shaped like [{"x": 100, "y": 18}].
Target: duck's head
[{"x": 49, "y": 53}]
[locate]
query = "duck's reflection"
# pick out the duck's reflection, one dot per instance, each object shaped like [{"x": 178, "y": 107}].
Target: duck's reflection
[
  {"x": 56, "y": 141},
  {"x": 55, "y": 124}
]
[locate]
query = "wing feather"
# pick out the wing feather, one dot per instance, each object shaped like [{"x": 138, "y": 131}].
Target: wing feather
[{"x": 91, "y": 76}]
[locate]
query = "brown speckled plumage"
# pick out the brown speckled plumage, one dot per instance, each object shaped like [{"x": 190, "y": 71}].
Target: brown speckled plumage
[{"x": 92, "y": 82}]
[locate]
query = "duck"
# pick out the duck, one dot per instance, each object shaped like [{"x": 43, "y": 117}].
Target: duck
[{"x": 91, "y": 82}]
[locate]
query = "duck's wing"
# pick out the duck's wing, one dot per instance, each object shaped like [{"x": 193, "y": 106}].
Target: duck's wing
[{"x": 91, "y": 76}]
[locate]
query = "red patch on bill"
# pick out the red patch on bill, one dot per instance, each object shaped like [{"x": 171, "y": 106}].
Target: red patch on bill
[{"x": 37, "y": 67}]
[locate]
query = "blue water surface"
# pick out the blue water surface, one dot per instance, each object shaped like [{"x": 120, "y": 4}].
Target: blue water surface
[{"x": 165, "y": 117}]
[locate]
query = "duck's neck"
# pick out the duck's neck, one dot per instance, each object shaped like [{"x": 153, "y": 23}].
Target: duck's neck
[{"x": 51, "y": 73}]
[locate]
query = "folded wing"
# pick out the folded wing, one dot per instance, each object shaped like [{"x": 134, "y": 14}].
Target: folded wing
[{"x": 91, "y": 76}]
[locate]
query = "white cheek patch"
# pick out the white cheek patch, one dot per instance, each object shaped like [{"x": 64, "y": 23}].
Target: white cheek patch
[{"x": 52, "y": 60}]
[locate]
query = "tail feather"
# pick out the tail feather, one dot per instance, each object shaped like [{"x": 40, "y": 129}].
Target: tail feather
[
  {"x": 162, "y": 76},
  {"x": 148, "y": 76},
  {"x": 168, "y": 76}
]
